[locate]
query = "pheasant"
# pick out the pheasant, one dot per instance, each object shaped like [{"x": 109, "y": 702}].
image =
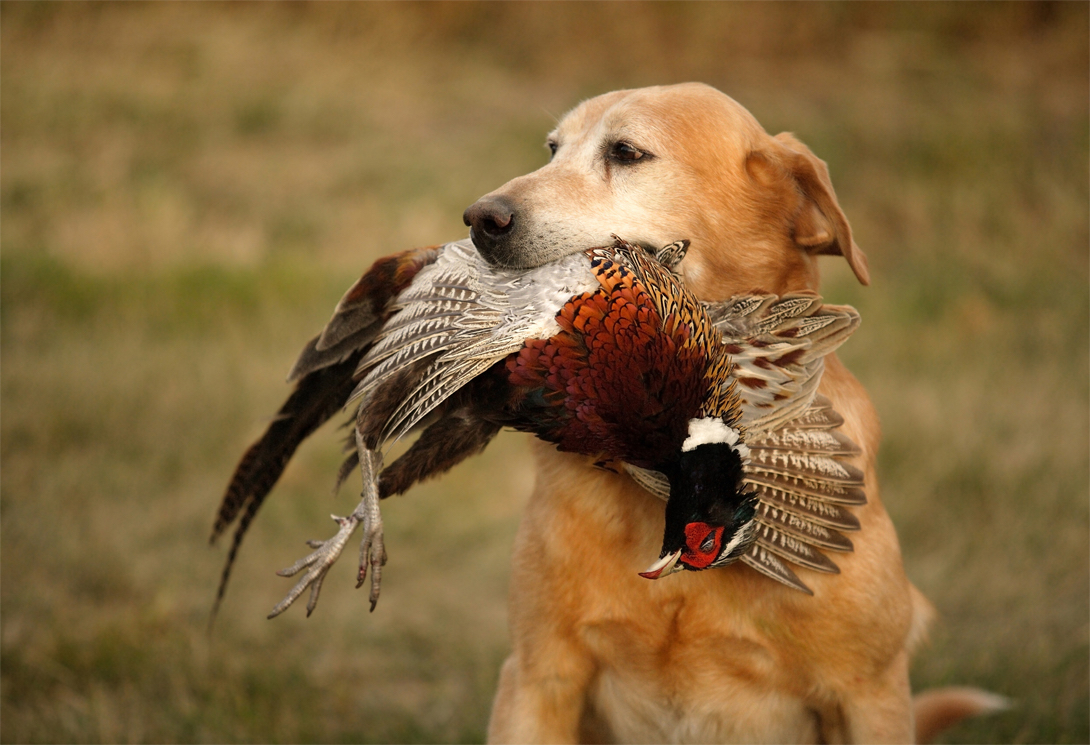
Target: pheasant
[{"x": 605, "y": 353}]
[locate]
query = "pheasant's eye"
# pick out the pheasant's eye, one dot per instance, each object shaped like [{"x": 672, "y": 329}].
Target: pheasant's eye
[
  {"x": 626, "y": 153},
  {"x": 702, "y": 543}
]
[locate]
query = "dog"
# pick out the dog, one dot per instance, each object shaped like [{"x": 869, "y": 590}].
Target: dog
[{"x": 603, "y": 655}]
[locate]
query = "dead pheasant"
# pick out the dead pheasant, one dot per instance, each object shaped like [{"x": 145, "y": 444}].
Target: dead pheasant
[{"x": 602, "y": 353}]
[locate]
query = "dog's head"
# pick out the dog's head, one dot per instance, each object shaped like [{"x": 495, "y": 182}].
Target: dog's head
[{"x": 655, "y": 165}]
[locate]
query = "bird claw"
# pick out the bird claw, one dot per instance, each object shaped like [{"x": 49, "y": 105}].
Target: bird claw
[
  {"x": 319, "y": 561},
  {"x": 326, "y": 553}
]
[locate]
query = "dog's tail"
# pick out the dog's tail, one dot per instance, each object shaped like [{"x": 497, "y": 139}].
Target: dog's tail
[{"x": 941, "y": 708}]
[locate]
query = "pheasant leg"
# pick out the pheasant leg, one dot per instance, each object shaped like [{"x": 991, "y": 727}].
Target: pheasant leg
[
  {"x": 372, "y": 547},
  {"x": 326, "y": 553}
]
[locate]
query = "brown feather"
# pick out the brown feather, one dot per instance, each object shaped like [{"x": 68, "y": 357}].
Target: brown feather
[{"x": 441, "y": 446}]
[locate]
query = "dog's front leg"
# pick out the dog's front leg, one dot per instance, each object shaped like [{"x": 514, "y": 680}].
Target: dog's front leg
[
  {"x": 541, "y": 696},
  {"x": 880, "y": 709}
]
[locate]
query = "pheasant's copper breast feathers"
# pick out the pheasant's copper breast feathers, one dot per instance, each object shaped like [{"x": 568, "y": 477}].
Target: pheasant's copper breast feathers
[
  {"x": 674, "y": 303},
  {"x": 678, "y": 308},
  {"x": 617, "y": 377}
]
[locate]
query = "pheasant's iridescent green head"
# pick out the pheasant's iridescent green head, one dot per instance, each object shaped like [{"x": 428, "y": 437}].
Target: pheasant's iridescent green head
[{"x": 710, "y": 516}]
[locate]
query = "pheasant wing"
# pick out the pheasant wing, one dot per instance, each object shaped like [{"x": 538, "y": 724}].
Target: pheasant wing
[
  {"x": 458, "y": 318},
  {"x": 778, "y": 345},
  {"x": 363, "y": 310},
  {"x": 805, "y": 488},
  {"x": 797, "y": 453}
]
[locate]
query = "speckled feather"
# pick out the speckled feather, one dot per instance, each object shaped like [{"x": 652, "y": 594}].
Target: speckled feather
[
  {"x": 497, "y": 310},
  {"x": 779, "y": 346}
]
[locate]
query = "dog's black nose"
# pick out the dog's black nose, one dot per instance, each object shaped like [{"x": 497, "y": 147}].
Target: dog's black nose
[{"x": 490, "y": 219}]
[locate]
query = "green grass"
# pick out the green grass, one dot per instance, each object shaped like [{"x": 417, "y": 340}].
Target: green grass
[{"x": 187, "y": 190}]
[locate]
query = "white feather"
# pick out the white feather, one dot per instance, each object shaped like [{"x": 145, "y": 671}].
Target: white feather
[{"x": 711, "y": 430}]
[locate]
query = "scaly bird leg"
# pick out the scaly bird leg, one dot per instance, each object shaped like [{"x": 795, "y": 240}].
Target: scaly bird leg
[
  {"x": 328, "y": 551},
  {"x": 372, "y": 547}
]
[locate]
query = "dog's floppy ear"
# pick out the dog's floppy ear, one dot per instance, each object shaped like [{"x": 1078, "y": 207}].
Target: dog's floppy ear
[{"x": 819, "y": 225}]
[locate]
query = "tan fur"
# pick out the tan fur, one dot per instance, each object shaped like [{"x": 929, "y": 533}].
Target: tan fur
[{"x": 601, "y": 654}]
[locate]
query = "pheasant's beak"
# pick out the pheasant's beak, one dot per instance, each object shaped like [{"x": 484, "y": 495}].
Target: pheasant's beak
[{"x": 666, "y": 565}]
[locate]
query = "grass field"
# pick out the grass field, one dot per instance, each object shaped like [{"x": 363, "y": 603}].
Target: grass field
[{"x": 187, "y": 189}]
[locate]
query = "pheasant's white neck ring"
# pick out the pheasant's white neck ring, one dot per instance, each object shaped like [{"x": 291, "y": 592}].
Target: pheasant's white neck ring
[{"x": 711, "y": 430}]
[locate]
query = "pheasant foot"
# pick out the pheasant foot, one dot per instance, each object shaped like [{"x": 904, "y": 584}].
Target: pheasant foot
[{"x": 326, "y": 553}]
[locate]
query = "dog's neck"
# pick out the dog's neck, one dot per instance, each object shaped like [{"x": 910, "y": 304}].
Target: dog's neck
[{"x": 745, "y": 268}]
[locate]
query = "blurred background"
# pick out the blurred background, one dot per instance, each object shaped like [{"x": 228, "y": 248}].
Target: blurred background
[{"x": 188, "y": 189}]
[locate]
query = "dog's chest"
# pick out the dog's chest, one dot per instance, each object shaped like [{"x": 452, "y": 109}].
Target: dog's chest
[
  {"x": 676, "y": 674},
  {"x": 629, "y": 708}
]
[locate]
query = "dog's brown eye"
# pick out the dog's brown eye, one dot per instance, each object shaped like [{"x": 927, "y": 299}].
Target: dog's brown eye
[
  {"x": 552, "y": 147},
  {"x": 625, "y": 152}
]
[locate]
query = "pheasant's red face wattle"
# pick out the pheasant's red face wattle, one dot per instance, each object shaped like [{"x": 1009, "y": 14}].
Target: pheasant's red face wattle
[{"x": 702, "y": 544}]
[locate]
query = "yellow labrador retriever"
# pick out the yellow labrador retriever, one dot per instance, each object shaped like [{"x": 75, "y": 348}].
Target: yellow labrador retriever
[{"x": 602, "y": 654}]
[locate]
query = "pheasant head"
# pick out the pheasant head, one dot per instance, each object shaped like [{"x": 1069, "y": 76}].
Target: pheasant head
[{"x": 710, "y": 516}]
